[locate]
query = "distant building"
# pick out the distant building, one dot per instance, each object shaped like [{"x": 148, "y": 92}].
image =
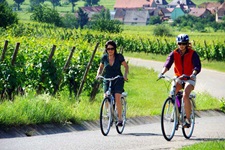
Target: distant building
[
  {"x": 177, "y": 12},
  {"x": 137, "y": 17},
  {"x": 175, "y": 3},
  {"x": 199, "y": 12},
  {"x": 91, "y": 10}
]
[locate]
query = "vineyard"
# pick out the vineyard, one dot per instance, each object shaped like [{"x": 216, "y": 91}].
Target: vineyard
[{"x": 47, "y": 59}]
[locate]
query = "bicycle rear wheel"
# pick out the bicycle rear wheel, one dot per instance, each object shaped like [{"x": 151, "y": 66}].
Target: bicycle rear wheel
[
  {"x": 187, "y": 132},
  {"x": 120, "y": 129},
  {"x": 168, "y": 119},
  {"x": 105, "y": 116}
]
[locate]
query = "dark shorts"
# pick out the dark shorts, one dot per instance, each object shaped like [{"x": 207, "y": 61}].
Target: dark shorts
[{"x": 117, "y": 86}]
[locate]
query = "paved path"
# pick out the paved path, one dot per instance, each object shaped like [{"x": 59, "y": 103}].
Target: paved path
[
  {"x": 139, "y": 134},
  {"x": 210, "y": 81}
]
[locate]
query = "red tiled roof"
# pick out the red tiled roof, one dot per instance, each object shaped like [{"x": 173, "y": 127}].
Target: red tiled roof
[
  {"x": 92, "y": 8},
  {"x": 132, "y": 3},
  {"x": 209, "y": 5},
  {"x": 197, "y": 11}
]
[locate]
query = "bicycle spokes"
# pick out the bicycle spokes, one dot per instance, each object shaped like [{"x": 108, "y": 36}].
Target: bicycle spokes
[
  {"x": 120, "y": 129},
  {"x": 168, "y": 119},
  {"x": 105, "y": 116},
  {"x": 187, "y": 132}
]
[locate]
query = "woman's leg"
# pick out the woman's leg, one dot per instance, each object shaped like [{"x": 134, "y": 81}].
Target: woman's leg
[
  {"x": 118, "y": 105},
  {"x": 187, "y": 103}
]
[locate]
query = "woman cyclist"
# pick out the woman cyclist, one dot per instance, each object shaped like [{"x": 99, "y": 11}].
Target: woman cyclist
[
  {"x": 111, "y": 63},
  {"x": 186, "y": 61}
]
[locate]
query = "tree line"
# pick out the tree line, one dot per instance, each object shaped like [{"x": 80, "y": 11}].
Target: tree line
[
  {"x": 34, "y": 3},
  {"x": 79, "y": 19}
]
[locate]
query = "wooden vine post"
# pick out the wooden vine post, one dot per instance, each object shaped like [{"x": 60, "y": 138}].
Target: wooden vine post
[
  {"x": 4, "y": 50},
  {"x": 64, "y": 69},
  {"x": 86, "y": 72},
  {"x": 43, "y": 76},
  {"x": 15, "y": 54}
]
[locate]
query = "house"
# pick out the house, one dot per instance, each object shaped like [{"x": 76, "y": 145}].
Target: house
[
  {"x": 199, "y": 12},
  {"x": 221, "y": 11},
  {"x": 163, "y": 13},
  {"x": 137, "y": 17},
  {"x": 91, "y": 10},
  {"x": 188, "y": 3},
  {"x": 134, "y": 4},
  {"x": 120, "y": 14},
  {"x": 211, "y": 6},
  {"x": 177, "y": 12},
  {"x": 161, "y": 3},
  {"x": 166, "y": 13}
]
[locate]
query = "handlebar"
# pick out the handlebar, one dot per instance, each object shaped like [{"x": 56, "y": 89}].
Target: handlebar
[
  {"x": 109, "y": 79},
  {"x": 182, "y": 77}
]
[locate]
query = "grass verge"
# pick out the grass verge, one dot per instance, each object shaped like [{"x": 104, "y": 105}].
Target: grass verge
[
  {"x": 209, "y": 145},
  {"x": 145, "y": 98}
]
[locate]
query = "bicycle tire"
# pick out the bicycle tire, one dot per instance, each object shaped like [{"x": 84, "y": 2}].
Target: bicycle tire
[
  {"x": 187, "y": 132},
  {"x": 168, "y": 119},
  {"x": 120, "y": 129},
  {"x": 105, "y": 116}
]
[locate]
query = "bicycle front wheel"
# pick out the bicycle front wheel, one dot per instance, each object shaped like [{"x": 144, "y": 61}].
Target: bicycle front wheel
[
  {"x": 187, "y": 132},
  {"x": 105, "y": 116},
  {"x": 168, "y": 119},
  {"x": 120, "y": 129}
]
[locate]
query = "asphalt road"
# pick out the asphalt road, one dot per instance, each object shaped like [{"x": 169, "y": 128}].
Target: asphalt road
[{"x": 141, "y": 136}]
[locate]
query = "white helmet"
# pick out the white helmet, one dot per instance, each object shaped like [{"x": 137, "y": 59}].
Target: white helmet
[{"x": 182, "y": 38}]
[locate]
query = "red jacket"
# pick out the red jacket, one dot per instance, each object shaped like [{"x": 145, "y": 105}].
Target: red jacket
[{"x": 183, "y": 64}]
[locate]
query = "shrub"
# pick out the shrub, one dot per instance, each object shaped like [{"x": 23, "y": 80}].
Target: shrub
[
  {"x": 162, "y": 30},
  {"x": 42, "y": 13}
]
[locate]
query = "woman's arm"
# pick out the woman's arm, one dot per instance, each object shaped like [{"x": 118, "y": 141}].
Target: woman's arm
[
  {"x": 124, "y": 63},
  {"x": 100, "y": 69}
]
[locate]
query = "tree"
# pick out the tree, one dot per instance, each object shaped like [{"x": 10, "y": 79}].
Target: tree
[
  {"x": 102, "y": 22},
  {"x": 42, "y": 13},
  {"x": 162, "y": 30},
  {"x": 82, "y": 18},
  {"x": 155, "y": 20},
  {"x": 34, "y": 3},
  {"x": 7, "y": 16},
  {"x": 91, "y": 2},
  {"x": 55, "y": 3},
  {"x": 18, "y": 2},
  {"x": 220, "y": 1},
  {"x": 70, "y": 21},
  {"x": 73, "y": 4}
]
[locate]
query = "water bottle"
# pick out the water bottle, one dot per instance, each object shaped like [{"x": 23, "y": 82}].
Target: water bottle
[{"x": 178, "y": 101}]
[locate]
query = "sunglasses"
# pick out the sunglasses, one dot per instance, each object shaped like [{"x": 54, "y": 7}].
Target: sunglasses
[
  {"x": 182, "y": 43},
  {"x": 110, "y": 49}
]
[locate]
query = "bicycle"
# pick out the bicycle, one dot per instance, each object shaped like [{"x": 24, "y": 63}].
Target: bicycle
[
  {"x": 173, "y": 112},
  {"x": 108, "y": 111}
]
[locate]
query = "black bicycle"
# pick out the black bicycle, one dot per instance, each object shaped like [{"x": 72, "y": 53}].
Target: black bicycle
[
  {"x": 173, "y": 112},
  {"x": 108, "y": 111}
]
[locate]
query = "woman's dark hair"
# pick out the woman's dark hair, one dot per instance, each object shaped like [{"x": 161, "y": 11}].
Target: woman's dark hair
[{"x": 110, "y": 42}]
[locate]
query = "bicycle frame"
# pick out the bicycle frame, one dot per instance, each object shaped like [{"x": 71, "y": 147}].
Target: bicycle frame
[
  {"x": 177, "y": 117},
  {"x": 109, "y": 97}
]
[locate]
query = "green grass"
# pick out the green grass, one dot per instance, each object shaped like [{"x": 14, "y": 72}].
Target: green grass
[
  {"x": 209, "y": 145},
  {"x": 145, "y": 98}
]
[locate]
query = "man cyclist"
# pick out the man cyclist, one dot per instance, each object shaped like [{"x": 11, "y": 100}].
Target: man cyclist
[{"x": 186, "y": 61}]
